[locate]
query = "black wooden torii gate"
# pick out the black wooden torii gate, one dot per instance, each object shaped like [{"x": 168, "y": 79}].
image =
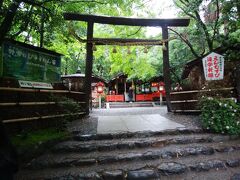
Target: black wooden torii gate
[{"x": 91, "y": 19}]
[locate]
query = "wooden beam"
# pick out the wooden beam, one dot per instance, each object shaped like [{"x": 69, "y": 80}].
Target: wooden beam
[
  {"x": 38, "y": 90},
  {"x": 34, "y": 103},
  {"x": 166, "y": 68},
  {"x": 202, "y": 90},
  {"x": 40, "y": 117},
  {"x": 174, "y": 22},
  {"x": 126, "y": 42},
  {"x": 89, "y": 64}
]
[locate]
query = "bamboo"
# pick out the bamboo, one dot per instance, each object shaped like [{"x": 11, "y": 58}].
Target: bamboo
[
  {"x": 40, "y": 117},
  {"x": 185, "y": 101},
  {"x": 34, "y": 103},
  {"x": 191, "y": 110},
  {"x": 38, "y": 90},
  {"x": 203, "y": 90}
]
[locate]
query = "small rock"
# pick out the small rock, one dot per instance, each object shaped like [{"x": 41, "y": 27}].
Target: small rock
[
  {"x": 142, "y": 144},
  {"x": 168, "y": 155},
  {"x": 220, "y": 138},
  {"x": 129, "y": 156},
  {"x": 107, "y": 147},
  {"x": 200, "y": 167},
  {"x": 207, "y": 150},
  {"x": 116, "y": 175},
  {"x": 151, "y": 155},
  {"x": 224, "y": 149},
  {"x": 92, "y": 175},
  {"x": 85, "y": 162},
  {"x": 233, "y": 163},
  {"x": 141, "y": 174},
  {"x": 123, "y": 145},
  {"x": 106, "y": 159},
  {"x": 171, "y": 168},
  {"x": 216, "y": 164},
  {"x": 183, "y": 140}
]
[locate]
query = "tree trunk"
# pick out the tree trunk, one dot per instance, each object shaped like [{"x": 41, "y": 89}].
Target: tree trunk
[
  {"x": 7, "y": 22},
  {"x": 1, "y": 4},
  {"x": 237, "y": 80}
]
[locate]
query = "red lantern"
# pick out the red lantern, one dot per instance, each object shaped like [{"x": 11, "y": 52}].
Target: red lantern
[
  {"x": 100, "y": 87},
  {"x": 154, "y": 84},
  {"x": 161, "y": 86}
]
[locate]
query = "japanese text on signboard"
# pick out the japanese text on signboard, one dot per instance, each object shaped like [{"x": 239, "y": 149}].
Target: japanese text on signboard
[
  {"x": 213, "y": 66},
  {"x": 27, "y": 64}
]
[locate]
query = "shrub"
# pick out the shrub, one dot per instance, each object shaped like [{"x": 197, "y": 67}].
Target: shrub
[{"x": 220, "y": 115}]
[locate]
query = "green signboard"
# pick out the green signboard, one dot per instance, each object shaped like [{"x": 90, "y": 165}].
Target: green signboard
[{"x": 29, "y": 64}]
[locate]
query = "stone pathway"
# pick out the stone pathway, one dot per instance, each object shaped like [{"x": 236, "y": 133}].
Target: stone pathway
[
  {"x": 179, "y": 153},
  {"x": 135, "y": 123}
]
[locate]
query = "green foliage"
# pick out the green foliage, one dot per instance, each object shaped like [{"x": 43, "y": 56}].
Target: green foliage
[
  {"x": 31, "y": 139},
  {"x": 66, "y": 104},
  {"x": 221, "y": 116}
]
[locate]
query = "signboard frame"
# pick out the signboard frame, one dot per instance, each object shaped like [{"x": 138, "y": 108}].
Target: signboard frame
[
  {"x": 29, "y": 63},
  {"x": 213, "y": 66}
]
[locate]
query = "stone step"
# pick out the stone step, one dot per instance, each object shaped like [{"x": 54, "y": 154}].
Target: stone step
[
  {"x": 168, "y": 152},
  {"x": 128, "y": 105},
  {"x": 140, "y": 134},
  {"x": 131, "y": 143},
  {"x": 215, "y": 167}
]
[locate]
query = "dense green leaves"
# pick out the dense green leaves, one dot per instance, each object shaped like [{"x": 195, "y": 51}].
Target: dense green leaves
[
  {"x": 221, "y": 116},
  {"x": 200, "y": 37}
]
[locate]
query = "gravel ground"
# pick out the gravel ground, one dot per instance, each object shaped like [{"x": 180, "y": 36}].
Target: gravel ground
[{"x": 88, "y": 125}]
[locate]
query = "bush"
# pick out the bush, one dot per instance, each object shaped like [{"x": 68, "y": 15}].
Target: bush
[
  {"x": 220, "y": 115},
  {"x": 66, "y": 104}
]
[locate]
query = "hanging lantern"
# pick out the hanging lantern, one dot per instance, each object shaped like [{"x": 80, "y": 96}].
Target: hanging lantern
[
  {"x": 114, "y": 49},
  {"x": 100, "y": 87},
  {"x": 164, "y": 46},
  {"x": 145, "y": 50},
  {"x": 94, "y": 47}
]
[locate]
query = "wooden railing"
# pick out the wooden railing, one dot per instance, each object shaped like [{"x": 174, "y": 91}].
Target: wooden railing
[
  {"x": 188, "y": 101},
  {"x": 22, "y": 104}
]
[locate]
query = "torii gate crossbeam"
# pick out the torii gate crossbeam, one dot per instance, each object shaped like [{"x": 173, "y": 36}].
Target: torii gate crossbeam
[{"x": 163, "y": 23}]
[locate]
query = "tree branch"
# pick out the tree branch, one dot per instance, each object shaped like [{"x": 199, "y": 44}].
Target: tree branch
[
  {"x": 216, "y": 22},
  {"x": 7, "y": 22},
  {"x": 187, "y": 42},
  {"x": 208, "y": 39},
  {"x": 25, "y": 24},
  {"x": 134, "y": 32},
  {"x": 76, "y": 1}
]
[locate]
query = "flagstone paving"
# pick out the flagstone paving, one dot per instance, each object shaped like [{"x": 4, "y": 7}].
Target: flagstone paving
[{"x": 135, "y": 123}]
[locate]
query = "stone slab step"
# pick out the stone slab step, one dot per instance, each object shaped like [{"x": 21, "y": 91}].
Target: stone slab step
[
  {"x": 140, "y": 134},
  {"x": 224, "y": 167},
  {"x": 98, "y": 158},
  {"x": 131, "y": 143},
  {"x": 129, "y": 105}
]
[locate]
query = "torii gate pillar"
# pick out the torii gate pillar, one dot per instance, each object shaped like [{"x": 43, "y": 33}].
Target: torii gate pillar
[
  {"x": 89, "y": 64},
  {"x": 166, "y": 68}
]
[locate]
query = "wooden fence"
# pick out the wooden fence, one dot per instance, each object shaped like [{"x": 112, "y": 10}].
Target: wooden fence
[
  {"x": 21, "y": 104},
  {"x": 188, "y": 101}
]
